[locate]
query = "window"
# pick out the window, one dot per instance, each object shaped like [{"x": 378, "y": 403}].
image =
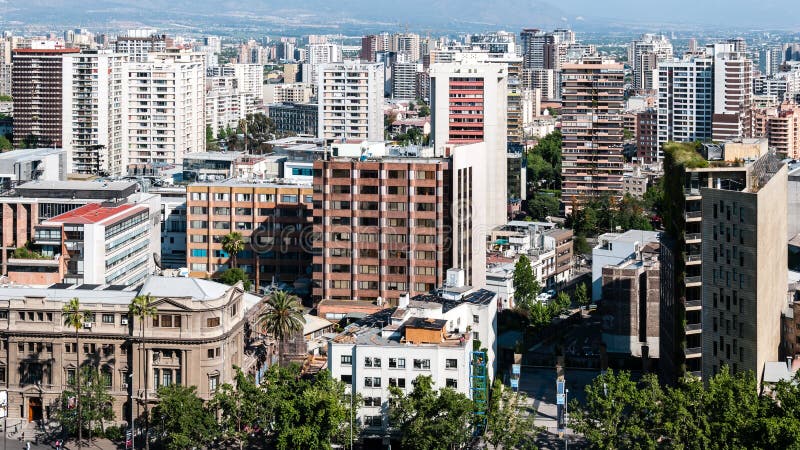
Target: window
[
  {"x": 347, "y": 379},
  {"x": 397, "y": 382},
  {"x": 213, "y": 353},
  {"x": 166, "y": 377},
  {"x": 213, "y": 382},
  {"x": 372, "y": 362},
  {"x": 451, "y": 363},
  {"x": 451, "y": 383},
  {"x": 244, "y": 197},
  {"x": 289, "y": 198},
  {"x": 347, "y": 360},
  {"x": 105, "y": 377},
  {"x": 372, "y": 382},
  {"x": 70, "y": 376},
  {"x": 422, "y": 364},
  {"x": 108, "y": 318},
  {"x": 476, "y": 318},
  {"x": 212, "y": 322},
  {"x": 397, "y": 363},
  {"x": 372, "y": 401},
  {"x": 373, "y": 421}
]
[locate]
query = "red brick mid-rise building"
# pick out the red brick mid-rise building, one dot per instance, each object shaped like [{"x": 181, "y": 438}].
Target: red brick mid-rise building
[{"x": 36, "y": 86}]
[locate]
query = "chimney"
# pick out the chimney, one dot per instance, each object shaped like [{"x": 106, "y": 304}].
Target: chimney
[{"x": 402, "y": 302}]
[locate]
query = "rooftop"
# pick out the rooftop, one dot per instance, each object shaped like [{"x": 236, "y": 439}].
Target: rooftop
[
  {"x": 478, "y": 297},
  {"x": 426, "y": 324},
  {"x": 76, "y": 189},
  {"x": 95, "y": 213}
]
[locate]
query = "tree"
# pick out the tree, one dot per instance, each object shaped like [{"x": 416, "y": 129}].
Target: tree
[
  {"x": 582, "y": 295},
  {"x": 526, "y": 288},
  {"x": 429, "y": 419},
  {"x": 507, "y": 425},
  {"x": 141, "y": 308},
  {"x": 5, "y": 144},
  {"x": 563, "y": 301},
  {"x": 306, "y": 413},
  {"x": 627, "y": 135},
  {"x": 187, "y": 422},
  {"x": 241, "y": 407},
  {"x": 234, "y": 275},
  {"x": 424, "y": 109},
  {"x": 211, "y": 141},
  {"x": 5, "y": 98},
  {"x": 74, "y": 318},
  {"x": 94, "y": 397},
  {"x": 232, "y": 244},
  {"x": 542, "y": 205},
  {"x": 282, "y": 318}
]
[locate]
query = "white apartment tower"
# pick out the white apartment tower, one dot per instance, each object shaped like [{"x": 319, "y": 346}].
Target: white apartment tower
[
  {"x": 733, "y": 92},
  {"x": 166, "y": 108},
  {"x": 685, "y": 100},
  {"x": 350, "y": 97},
  {"x": 644, "y": 55},
  {"x": 469, "y": 99},
  {"x": 319, "y": 54},
  {"x": 94, "y": 94}
]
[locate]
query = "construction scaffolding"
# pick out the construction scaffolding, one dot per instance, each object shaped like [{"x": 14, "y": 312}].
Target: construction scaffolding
[{"x": 480, "y": 390}]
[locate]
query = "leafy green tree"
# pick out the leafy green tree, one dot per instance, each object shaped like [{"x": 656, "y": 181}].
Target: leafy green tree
[
  {"x": 74, "y": 318},
  {"x": 424, "y": 110},
  {"x": 141, "y": 308},
  {"x": 541, "y": 205},
  {"x": 187, "y": 421},
  {"x": 5, "y": 144},
  {"x": 508, "y": 423},
  {"x": 653, "y": 199},
  {"x": 526, "y": 288},
  {"x": 282, "y": 318},
  {"x": 234, "y": 275},
  {"x": 734, "y": 409},
  {"x": 563, "y": 301},
  {"x": 241, "y": 408},
  {"x": 582, "y": 295},
  {"x": 96, "y": 402},
  {"x": 627, "y": 134},
  {"x": 211, "y": 141},
  {"x": 306, "y": 413},
  {"x": 782, "y": 425},
  {"x": 232, "y": 244},
  {"x": 5, "y": 98},
  {"x": 580, "y": 245},
  {"x": 429, "y": 419}
]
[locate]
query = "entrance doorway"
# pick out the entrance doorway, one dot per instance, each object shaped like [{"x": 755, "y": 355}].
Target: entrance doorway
[{"x": 34, "y": 409}]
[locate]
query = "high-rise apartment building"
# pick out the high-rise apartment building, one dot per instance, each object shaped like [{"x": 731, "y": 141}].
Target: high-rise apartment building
[
  {"x": 469, "y": 103},
  {"x": 733, "y": 92},
  {"x": 744, "y": 269},
  {"x": 773, "y": 58},
  {"x": 543, "y": 79},
  {"x": 7, "y": 43},
  {"x": 644, "y": 55},
  {"x": 406, "y": 44},
  {"x": 685, "y": 100},
  {"x": 372, "y": 44},
  {"x": 275, "y": 219},
  {"x": 646, "y": 135},
  {"x": 37, "y": 88},
  {"x": 404, "y": 80},
  {"x": 166, "y": 108},
  {"x": 350, "y": 97},
  {"x": 137, "y": 44},
  {"x": 591, "y": 116},
  {"x": 781, "y": 126},
  {"x": 390, "y": 224},
  {"x": 95, "y": 122},
  {"x": 319, "y": 54},
  {"x": 688, "y": 244}
]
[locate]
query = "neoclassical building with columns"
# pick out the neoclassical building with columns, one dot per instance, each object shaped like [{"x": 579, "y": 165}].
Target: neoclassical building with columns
[{"x": 201, "y": 330}]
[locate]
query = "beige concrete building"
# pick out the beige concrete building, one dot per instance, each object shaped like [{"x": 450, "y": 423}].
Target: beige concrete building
[
  {"x": 744, "y": 269},
  {"x": 197, "y": 337}
]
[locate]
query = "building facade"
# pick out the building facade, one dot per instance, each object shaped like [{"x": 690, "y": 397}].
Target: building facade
[{"x": 350, "y": 96}]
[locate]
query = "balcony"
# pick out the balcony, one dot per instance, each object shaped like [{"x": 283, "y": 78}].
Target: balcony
[
  {"x": 693, "y": 238},
  {"x": 693, "y": 281},
  {"x": 694, "y": 259},
  {"x": 694, "y": 328},
  {"x": 693, "y": 352},
  {"x": 693, "y": 216},
  {"x": 693, "y": 305}
]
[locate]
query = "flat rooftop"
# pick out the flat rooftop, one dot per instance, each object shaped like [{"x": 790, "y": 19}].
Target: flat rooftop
[
  {"x": 96, "y": 190},
  {"x": 95, "y": 213},
  {"x": 275, "y": 183}
]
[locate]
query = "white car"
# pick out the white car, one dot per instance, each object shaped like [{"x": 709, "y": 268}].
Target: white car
[{"x": 542, "y": 297}]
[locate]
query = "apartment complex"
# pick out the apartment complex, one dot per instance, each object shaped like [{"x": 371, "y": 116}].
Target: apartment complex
[
  {"x": 273, "y": 219},
  {"x": 138, "y": 44},
  {"x": 469, "y": 104},
  {"x": 95, "y": 123},
  {"x": 404, "y": 80},
  {"x": 781, "y": 126},
  {"x": 350, "y": 98},
  {"x": 427, "y": 335},
  {"x": 744, "y": 275},
  {"x": 591, "y": 117},
  {"x": 390, "y": 224},
  {"x": 37, "y": 79},
  {"x": 733, "y": 92},
  {"x": 685, "y": 251},
  {"x": 288, "y": 93},
  {"x": 166, "y": 108},
  {"x": 41, "y": 357},
  {"x": 644, "y": 55},
  {"x": 301, "y": 119}
]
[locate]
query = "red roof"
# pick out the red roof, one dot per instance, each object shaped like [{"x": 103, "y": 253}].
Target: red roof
[
  {"x": 47, "y": 50},
  {"x": 95, "y": 213}
]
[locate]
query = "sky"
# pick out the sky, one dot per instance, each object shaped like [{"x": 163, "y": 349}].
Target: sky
[{"x": 579, "y": 14}]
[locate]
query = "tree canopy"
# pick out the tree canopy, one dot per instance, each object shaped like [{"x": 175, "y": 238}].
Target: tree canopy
[{"x": 526, "y": 288}]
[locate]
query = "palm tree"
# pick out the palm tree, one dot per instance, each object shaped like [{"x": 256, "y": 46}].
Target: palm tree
[
  {"x": 74, "y": 318},
  {"x": 233, "y": 243},
  {"x": 283, "y": 318},
  {"x": 141, "y": 308}
]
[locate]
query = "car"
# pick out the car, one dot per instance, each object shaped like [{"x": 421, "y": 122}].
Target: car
[
  {"x": 551, "y": 293},
  {"x": 542, "y": 297}
]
